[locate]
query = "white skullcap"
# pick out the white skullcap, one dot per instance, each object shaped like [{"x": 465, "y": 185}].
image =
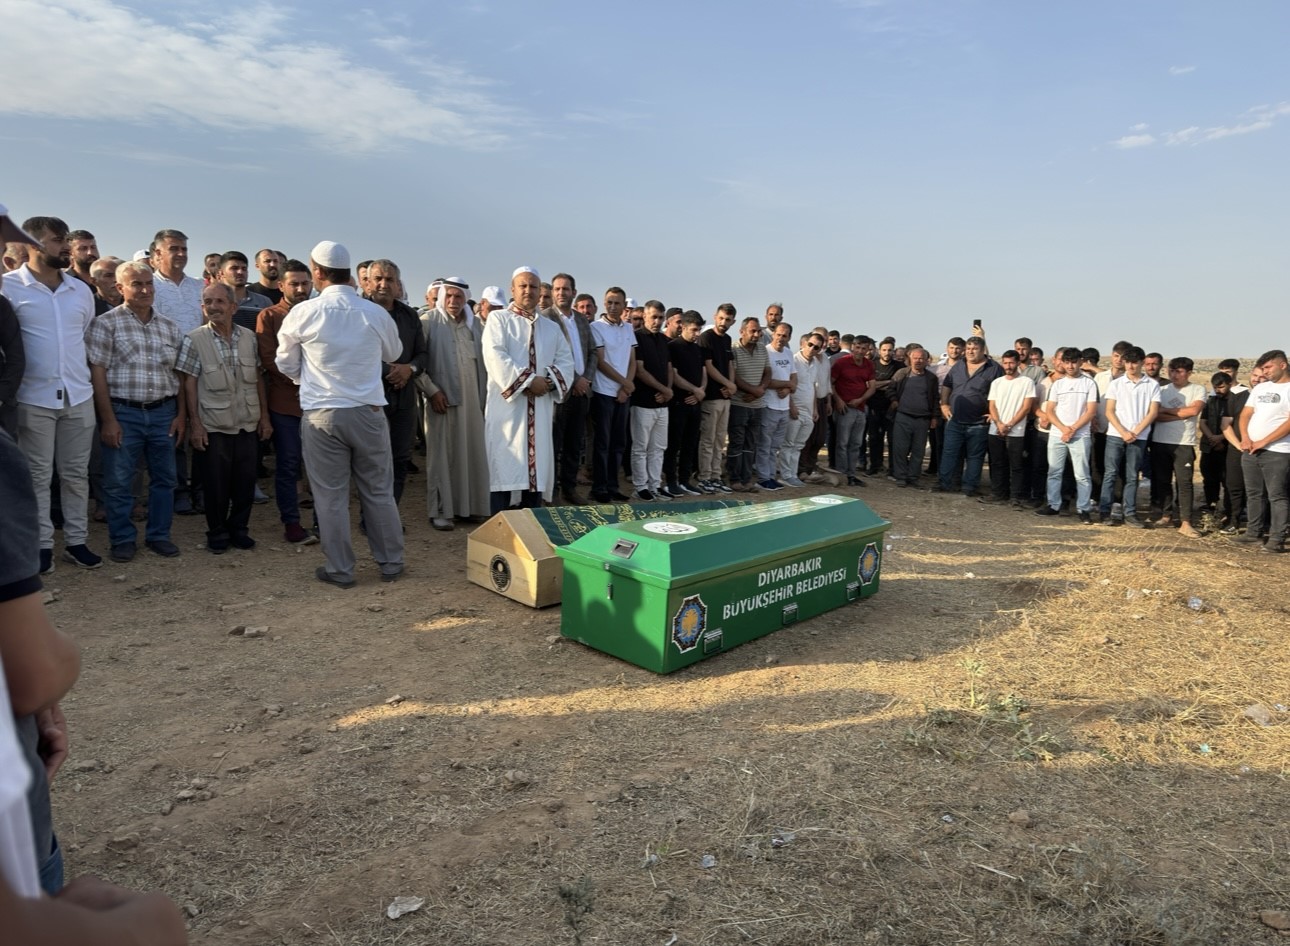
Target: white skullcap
[
  {"x": 434, "y": 286},
  {"x": 630, "y": 303},
  {"x": 139, "y": 255},
  {"x": 493, "y": 296},
  {"x": 330, "y": 255},
  {"x": 526, "y": 269}
]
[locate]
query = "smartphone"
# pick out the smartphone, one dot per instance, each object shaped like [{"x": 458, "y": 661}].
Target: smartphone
[{"x": 976, "y": 323}]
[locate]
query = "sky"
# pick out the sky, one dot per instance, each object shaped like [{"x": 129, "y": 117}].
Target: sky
[{"x": 1075, "y": 172}]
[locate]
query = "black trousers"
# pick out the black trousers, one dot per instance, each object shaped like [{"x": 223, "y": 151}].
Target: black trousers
[
  {"x": 403, "y": 431},
  {"x": 878, "y": 434},
  {"x": 1007, "y": 467},
  {"x": 570, "y": 434},
  {"x": 681, "y": 458},
  {"x": 228, "y": 479},
  {"x": 1172, "y": 462}
]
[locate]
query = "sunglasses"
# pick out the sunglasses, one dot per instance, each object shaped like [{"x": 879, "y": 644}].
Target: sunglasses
[{"x": 813, "y": 345}]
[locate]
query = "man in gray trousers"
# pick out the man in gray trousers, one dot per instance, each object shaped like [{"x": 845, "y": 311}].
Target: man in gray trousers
[{"x": 333, "y": 347}]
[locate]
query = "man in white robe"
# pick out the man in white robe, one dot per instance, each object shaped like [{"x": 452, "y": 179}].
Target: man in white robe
[
  {"x": 454, "y": 389},
  {"x": 530, "y": 369}
]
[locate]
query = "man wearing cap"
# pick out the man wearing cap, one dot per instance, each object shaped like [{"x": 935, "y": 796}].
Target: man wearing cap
[
  {"x": 132, "y": 353},
  {"x": 55, "y": 399},
  {"x": 571, "y": 413},
  {"x": 283, "y": 398},
  {"x": 454, "y": 386},
  {"x": 333, "y": 346},
  {"x": 489, "y": 301},
  {"x": 402, "y": 371},
  {"x": 530, "y": 368}
]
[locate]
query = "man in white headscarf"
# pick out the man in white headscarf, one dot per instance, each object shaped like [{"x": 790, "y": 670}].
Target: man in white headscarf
[
  {"x": 454, "y": 389},
  {"x": 530, "y": 370}
]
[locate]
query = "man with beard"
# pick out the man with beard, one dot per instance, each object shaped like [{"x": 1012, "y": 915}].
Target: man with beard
[
  {"x": 715, "y": 422},
  {"x": 612, "y": 388},
  {"x": 85, "y": 250},
  {"x": 224, "y": 391},
  {"x": 915, "y": 401},
  {"x": 1012, "y": 400},
  {"x": 282, "y": 396},
  {"x": 965, "y": 397},
  {"x": 571, "y": 414},
  {"x": 1264, "y": 424},
  {"x": 270, "y": 269},
  {"x": 530, "y": 367},
  {"x": 454, "y": 386},
  {"x": 878, "y": 425},
  {"x": 55, "y": 399},
  {"x": 852, "y": 387},
  {"x": 400, "y": 392},
  {"x": 132, "y": 353},
  {"x": 232, "y": 273}
]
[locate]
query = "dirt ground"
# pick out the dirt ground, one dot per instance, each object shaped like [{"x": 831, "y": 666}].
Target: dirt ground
[{"x": 1036, "y": 732}]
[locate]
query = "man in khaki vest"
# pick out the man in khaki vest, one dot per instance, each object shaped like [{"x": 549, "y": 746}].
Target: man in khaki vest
[{"x": 227, "y": 408}]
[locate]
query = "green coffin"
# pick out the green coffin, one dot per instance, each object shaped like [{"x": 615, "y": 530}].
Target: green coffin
[{"x": 666, "y": 593}]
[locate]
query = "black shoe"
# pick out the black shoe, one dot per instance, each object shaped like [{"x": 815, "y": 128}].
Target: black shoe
[
  {"x": 183, "y": 504},
  {"x": 1135, "y": 522},
  {"x": 123, "y": 552},
  {"x": 645, "y": 495},
  {"x": 47, "y": 561},
  {"x": 1085, "y": 518},
  {"x": 163, "y": 547},
  {"x": 322, "y": 575},
  {"x": 217, "y": 546},
  {"x": 571, "y": 497},
  {"x": 1277, "y": 549},
  {"x": 991, "y": 500},
  {"x": 81, "y": 557},
  {"x": 1246, "y": 539},
  {"x": 242, "y": 542},
  {"x": 1046, "y": 511},
  {"x": 391, "y": 572},
  {"x": 412, "y": 467},
  {"x": 618, "y": 497}
]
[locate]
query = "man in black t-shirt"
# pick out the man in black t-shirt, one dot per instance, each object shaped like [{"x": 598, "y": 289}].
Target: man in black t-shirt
[
  {"x": 650, "y": 401},
  {"x": 717, "y": 354},
  {"x": 685, "y": 410}
]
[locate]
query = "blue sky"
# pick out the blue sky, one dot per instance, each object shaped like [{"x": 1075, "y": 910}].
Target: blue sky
[{"x": 1075, "y": 172}]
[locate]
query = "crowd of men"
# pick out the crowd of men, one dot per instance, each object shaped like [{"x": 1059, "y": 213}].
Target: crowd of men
[{"x": 115, "y": 373}]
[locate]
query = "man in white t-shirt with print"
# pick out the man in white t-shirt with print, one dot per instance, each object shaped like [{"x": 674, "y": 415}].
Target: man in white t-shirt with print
[
  {"x": 1070, "y": 407},
  {"x": 1265, "y": 445},
  {"x": 1173, "y": 446},
  {"x": 779, "y": 406},
  {"x": 1132, "y": 402},
  {"x": 1011, "y": 399}
]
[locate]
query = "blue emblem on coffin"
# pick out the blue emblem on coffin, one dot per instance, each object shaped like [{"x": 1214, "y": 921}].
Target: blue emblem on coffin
[
  {"x": 867, "y": 568},
  {"x": 689, "y": 623}
]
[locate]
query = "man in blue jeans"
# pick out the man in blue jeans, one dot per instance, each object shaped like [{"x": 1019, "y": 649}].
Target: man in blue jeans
[
  {"x": 1132, "y": 401},
  {"x": 1071, "y": 406},
  {"x": 965, "y": 405},
  {"x": 140, "y": 402}
]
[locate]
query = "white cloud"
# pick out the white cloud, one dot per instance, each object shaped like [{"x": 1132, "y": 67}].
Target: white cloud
[
  {"x": 1258, "y": 118},
  {"x": 118, "y": 65},
  {"x": 1181, "y": 70},
  {"x": 1134, "y": 141}
]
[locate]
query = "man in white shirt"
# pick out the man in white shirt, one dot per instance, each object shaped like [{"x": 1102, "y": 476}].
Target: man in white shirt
[
  {"x": 779, "y": 406},
  {"x": 55, "y": 399},
  {"x": 1132, "y": 402},
  {"x": 803, "y": 412},
  {"x": 1011, "y": 399},
  {"x": 334, "y": 346},
  {"x": 1070, "y": 407},
  {"x": 1173, "y": 446},
  {"x": 1265, "y": 445},
  {"x": 611, "y": 392}
]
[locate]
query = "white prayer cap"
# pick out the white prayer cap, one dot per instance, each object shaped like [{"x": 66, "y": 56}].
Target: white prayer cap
[
  {"x": 434, "y": 286},
  {"x": 10, "y": 232},
  {"x": 493, "y": 296},
  {"x": 330, "y": 255},
  {"x": 139, "y": 255},
  {"x": 630, "y": 303},
  {"x": 526, "y": 269}
]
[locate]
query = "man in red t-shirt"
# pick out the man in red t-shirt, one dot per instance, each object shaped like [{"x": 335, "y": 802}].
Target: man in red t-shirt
[{"x": 852, "y": 387}]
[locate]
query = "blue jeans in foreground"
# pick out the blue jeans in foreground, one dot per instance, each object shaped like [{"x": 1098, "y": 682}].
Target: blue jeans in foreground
[
  {"x": 970, "y": 440},
  {"x": 286, "y": 469},
  {"x": 146, "y": 434},
  {"x": 1079, "y": 450},
  {"x": 849, "y": 427},
  {"x": 1134, "y": 454}
]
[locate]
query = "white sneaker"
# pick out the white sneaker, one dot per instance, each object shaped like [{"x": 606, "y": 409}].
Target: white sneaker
[{"x": 791, "y": 481}]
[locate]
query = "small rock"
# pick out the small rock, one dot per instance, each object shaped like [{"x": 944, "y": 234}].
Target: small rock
[
  {"x": 771, "y": 660},
  {"x": 1258, "y": 713},
  {"x": 1020, "y": 817},
  {"x": 707, "y": 862},
  {"x": 395, "y": 700},
  {"x": 85, "y": 765},
  {"x": 199, "y": 783},
  {"x": 186, "y": 794},
  {"x": 191, "y": 909},
  {"x": 514, "y": 779},
  {"x": 553, "y": 638},
  {"x": 401, "y": 905},
  {"x": 118, "y": 578},
  {"x": 49, "y": 597},
  {"x": 273, "y": 709},
  {"x": 1277, "y": 919},
  {"x": 167, "y": 807},
  {"x": 255, "y": 631},
  {"x": 375, "y": 607},
  {"x": 237, "y": 630},
  {"x": 126, "y": 842}
]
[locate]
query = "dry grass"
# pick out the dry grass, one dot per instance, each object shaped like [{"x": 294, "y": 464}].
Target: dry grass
[{"x": 1053, "y": 750}]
